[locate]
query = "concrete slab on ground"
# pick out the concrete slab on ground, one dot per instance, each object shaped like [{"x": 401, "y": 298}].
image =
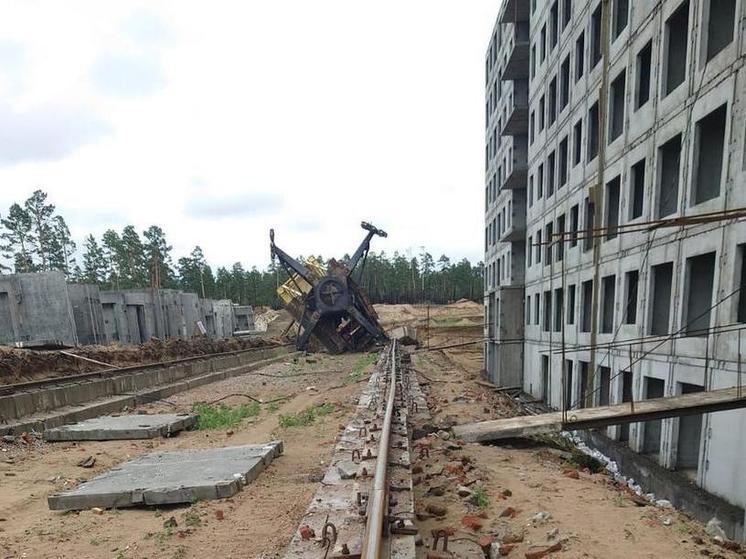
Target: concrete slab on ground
[
  {"x": 167, "y": 478},
  {"x": 110, "y": 427}
]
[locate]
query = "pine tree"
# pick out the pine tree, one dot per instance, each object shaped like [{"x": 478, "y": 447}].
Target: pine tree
[
  {"x": 95, "y": 265},
  {"x": 41, "y": 213},
  {"x": 61, "y": 248},
  {"x": 158, "y": 258},
  {"x": 113, "y": 255},
  {"x": 18, "y": 239}
]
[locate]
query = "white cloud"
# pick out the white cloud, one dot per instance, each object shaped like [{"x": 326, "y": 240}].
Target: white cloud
[
  {"x": 344, "y": 111},
  {"x": 127, "y": 75},
  {"x": 46, "y": 133}
]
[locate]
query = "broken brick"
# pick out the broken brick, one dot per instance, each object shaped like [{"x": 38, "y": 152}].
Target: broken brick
[
  {"x": 306, "y": 532},
  {"x": 473, "y": 522},
  {"x": 509, "y": 512}
]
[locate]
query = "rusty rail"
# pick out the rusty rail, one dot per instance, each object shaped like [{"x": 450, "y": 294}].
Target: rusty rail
[{"x": 378, "y": 498}]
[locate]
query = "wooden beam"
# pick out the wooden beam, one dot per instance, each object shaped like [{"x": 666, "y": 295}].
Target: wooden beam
[{"x": 602, "y": 416}]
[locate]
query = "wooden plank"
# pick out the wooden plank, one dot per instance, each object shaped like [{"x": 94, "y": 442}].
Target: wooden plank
[{"x": 602, "y": 416}]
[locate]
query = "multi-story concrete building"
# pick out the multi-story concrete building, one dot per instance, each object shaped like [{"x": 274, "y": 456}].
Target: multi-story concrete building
[
  {"x": 636, "y": 126},
  {"x": 506, "y": 108}
]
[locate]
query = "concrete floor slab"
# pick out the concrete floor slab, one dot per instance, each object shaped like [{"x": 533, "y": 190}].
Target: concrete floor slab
[
  {"x": 167, "y": 478},
  {"x": 109, "y": 427}
]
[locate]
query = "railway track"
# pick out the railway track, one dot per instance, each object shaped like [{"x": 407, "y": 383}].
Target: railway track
[
  {"x": 52, "y": 382},
  {"x": 364, "y": 507}
]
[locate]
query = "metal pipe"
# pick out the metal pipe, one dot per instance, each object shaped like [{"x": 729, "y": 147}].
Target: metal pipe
[{"x": 377, "y": 500}]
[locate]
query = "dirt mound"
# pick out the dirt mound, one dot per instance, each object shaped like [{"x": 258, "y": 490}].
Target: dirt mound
[{"x": 18, "y": 365}]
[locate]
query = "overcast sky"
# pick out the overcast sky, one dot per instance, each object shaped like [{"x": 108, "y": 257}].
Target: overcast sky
[{"x": 218, "y": 120}]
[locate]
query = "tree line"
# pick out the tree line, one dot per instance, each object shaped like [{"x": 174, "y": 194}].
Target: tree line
[{"x": 35, "y": 238}]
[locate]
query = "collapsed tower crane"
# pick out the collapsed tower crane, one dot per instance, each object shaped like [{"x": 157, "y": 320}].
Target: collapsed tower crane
[{"x": 327, "y": 303}]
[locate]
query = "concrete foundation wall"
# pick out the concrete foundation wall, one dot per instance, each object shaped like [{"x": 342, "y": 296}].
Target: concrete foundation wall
[
  {"x": 88, "y": 313},
  {"x": 36, "y": 308},
  {"x": 244, "y": 317}
]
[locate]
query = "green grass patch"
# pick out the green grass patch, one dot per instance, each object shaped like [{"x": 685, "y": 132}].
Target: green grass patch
[
  {"x": 305, "y": 417},
  {"x": 362, "y": 363},
  {"x": 479, "y": 497},
  {"x": 220, "y": 416}
]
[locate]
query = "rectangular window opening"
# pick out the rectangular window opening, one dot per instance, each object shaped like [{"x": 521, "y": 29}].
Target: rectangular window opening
[
  {"x": 720, "y": 26},
  {"x": 554, "y": 24},
  {"x": 596, "y": 36},
  {"x": 593, "y": 131},
  {"x": 669, "y": 156},
  {"x": 710, "y": 142},
  {"x": 741, "y": 278},
  {"x": 608, "y": 286},
  {"x": 574, "y": 213},
  {"x": 630, "y": 308},
  {"x": 587, "y": 302},
  {"x": 616, "y": 106},
  {"x": 571, "y": 304},
  {"x": 612, "y": 208},
  {"x": 700, "y": 279},
  {"x": 559, "y": 307},
  {"x": 621, "y": 14},
  {"x": 564, "y": 83},
  {"x": 566, "y": 12},
  {"x": 662, "y": 276},
  {"x": 590, "y": 212},
  {"x": 578, "y": 143},
  {"x": 563, "y": 162},
  {"x": 643, "y": 75},
  {"x": 677, "y": 43},
  {"x": 579, "y": 56},
  {"x": 637, "y": 189}
]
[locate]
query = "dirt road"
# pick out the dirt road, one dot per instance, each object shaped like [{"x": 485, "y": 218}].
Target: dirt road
[{"x": 531, "y": 495}]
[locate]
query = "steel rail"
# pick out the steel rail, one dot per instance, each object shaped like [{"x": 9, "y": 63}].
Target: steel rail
[
  {"x": 378, "y": 497},
  {"x": 6, "y": 389}
]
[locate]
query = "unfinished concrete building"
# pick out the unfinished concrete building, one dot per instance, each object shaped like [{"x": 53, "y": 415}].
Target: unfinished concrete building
[
  {"x": 637, "y": 115},
  {"x": 506, "y": 108}
]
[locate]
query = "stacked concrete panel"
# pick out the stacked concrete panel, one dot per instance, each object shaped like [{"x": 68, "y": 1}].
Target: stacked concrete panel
[
  {"x": 637, "y": 114},
  {"x": 35, "y": 310},
  {"x": 88, "y": 313}
]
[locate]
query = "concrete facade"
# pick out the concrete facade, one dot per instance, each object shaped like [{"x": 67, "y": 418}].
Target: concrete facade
[
  {"x": 636, "y": 115},
  {"x": 506, "y": 116}
]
